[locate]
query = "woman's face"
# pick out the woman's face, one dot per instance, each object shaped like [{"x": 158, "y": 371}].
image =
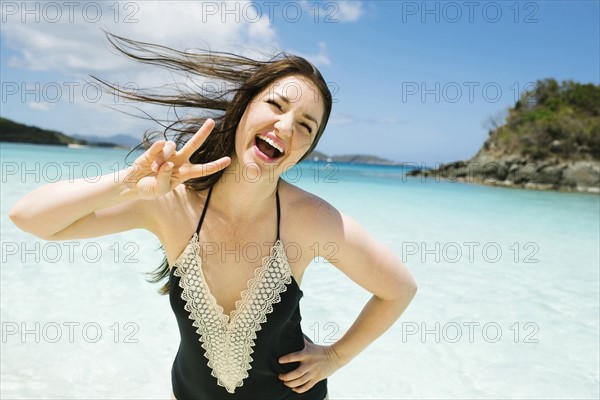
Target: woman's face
[{"x": 279, "y": 125}]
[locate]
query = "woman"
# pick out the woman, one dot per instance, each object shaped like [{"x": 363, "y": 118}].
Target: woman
[{"x": 209, "y": 196}]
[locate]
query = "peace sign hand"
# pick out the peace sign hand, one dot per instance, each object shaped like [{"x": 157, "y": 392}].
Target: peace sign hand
[{"x": 161, "y": 168}]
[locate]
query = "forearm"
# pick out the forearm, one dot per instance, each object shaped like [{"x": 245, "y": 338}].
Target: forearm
[
  {"x": 376, "y": 317},
  {"x": 55, "y": 206}
]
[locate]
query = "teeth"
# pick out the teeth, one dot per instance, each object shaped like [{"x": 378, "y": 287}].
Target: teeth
[{"x": 271, "y": 142}]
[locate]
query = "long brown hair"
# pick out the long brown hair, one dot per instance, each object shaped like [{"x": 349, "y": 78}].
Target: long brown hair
[{"x": 239, "y": 80}]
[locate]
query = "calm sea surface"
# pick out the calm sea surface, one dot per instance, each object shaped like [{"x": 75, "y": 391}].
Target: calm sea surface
[{"x": 508, "y": 303}]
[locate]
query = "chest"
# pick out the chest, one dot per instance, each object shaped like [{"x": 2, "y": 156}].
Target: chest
[
  {"x": 230, "y": 270},
  {"x": 231, "y": 287},
  {"x": 271, "y": 296}
]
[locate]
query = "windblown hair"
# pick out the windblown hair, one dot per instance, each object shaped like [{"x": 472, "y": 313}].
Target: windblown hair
[{"x": 240, "y": 78}]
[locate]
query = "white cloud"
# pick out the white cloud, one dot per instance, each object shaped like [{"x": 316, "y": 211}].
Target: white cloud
[
  {"x": 68, "y": 46},
  {"x": 349, "y": 10},
  {"x": 39, "y": 106},
  {"x": 75, "y": 44},
  {"x": 346, "y": 119},
  {"x": 334, "y": 11},
  {"x": 341, "y": 119},
  {"x": 387, "y": 121},
  {"x": 260, "y": 31},
  {"x": 15, "y": 62},
  {"x": 320, "y": 59}
]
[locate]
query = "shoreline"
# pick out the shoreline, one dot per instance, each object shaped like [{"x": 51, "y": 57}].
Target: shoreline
[
  {"x": 582, "y": 176},
  {"x": 528, "y": 186}
]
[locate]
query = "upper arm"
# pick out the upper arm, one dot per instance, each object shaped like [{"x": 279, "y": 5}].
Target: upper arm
[
  {"x": 132, "y": 214},
  {"x": 357, "y": 254}
]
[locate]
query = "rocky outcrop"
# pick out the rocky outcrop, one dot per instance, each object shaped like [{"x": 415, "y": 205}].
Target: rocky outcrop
[
  {"x": 569, "y": 176},
  {"x": 550, "y": 140}
]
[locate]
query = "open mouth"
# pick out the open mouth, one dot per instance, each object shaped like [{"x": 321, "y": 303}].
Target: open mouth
[{"x": 269, "y": 149}]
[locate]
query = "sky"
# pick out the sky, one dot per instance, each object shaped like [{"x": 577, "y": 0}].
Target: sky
[{"x": 412, "y": 81}]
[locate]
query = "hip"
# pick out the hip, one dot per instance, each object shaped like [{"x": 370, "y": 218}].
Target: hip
[{"x": 174, "y": 398}]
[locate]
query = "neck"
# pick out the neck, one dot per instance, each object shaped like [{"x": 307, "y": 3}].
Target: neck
[{"x": 245, "y": 193}]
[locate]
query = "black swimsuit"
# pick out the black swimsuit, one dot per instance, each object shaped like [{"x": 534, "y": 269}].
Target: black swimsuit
[{"x": 236, "y": 357}]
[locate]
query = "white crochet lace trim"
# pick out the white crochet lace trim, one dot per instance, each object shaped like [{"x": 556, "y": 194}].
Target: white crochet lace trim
[{"x": 229, "y": 344}]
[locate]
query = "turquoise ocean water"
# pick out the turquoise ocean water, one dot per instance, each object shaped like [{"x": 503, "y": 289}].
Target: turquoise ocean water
[{"x": 508, "y": 303}]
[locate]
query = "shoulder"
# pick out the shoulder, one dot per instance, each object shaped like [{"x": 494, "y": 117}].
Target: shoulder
[
  {"x": 328, "y": 233},
  {"x": 310, "y": 214},
  {"x": 303, "y": 202},
  {"x": 335, "y": 235},
  {"x": 180, "y": 196},
  {"x": 174, "y": 211}
]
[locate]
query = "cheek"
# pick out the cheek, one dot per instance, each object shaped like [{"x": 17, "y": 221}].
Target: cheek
[
  {"x": 243, "y": 129},
  {"x": 302, "y": 142}
]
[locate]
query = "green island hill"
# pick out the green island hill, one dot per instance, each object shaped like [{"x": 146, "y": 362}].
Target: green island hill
[
  {"x": 15, "y": 132},
  {"x": 550, "y": 140}
]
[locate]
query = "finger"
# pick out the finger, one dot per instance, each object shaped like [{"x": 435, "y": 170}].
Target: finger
[
  {"x": 304, "y": 388},
  {"x": 199, "y": 137},
  {"x": 167, "y": 151},
  {"x": 293, "y": 375},
  {"x": 297, "y": 383},
  {"x": 292, "y": 357},
  {"x": 163, "y": 178},
  {"x": 153, "y": 151},
  {"x": 200, "y": 170}
]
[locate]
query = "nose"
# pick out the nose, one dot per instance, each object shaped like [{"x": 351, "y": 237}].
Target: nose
[{"x": 285, "y": 124}]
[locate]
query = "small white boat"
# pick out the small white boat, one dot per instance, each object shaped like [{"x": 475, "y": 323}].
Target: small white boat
[{"x": 78, "y": 146}]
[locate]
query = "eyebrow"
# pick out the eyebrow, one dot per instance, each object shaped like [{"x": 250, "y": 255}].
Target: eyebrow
[{"x": 307, "y": 116}]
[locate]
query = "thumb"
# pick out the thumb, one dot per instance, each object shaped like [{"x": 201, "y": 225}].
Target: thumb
[
  {"x": 200, "y": 170},
  {"x": 292, "y": 357},
  {"x": 163, "y": 178}
]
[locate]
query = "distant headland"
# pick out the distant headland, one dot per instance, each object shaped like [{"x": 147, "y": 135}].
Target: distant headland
[
  {"x": 350, "y": 158},
  {"x": 549, "y": 141},
  {"x": 20, "y": 133}
]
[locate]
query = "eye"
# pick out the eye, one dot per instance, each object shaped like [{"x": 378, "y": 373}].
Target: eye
[
  {"x": 280, "y": 108},
  {"x": 274, "y": 103},
  {"x": 307, "y": 127}
]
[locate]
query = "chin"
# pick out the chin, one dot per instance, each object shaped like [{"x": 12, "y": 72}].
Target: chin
[{"x": 254, "y": 169}]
